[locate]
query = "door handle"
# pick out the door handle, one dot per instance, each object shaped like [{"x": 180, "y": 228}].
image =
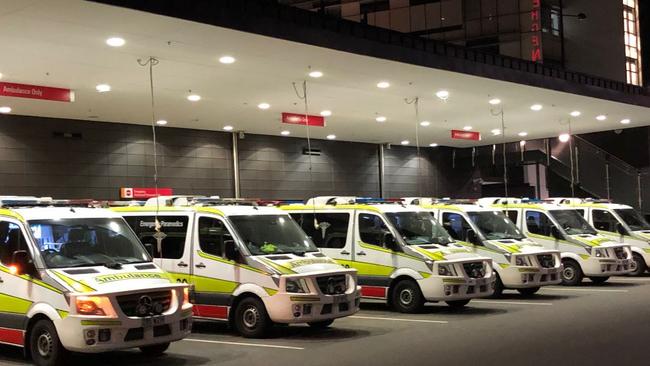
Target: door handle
[
  {"x": 1, "y": 280},
  {"x": 182, "y": 264},
  {"x": 345, "y": 252},
  {"x": 200, "y": 265},
  {"x": 361, "y": 253}
]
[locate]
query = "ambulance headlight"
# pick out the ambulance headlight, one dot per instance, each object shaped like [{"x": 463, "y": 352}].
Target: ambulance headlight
[
  {"x": 598, "y": 253},
  {"x": 521, "y": 261},
  {"x": 94, "y": 305},
  {"x": 445, "y": 270},
  {"x": 296, "y": 286}
]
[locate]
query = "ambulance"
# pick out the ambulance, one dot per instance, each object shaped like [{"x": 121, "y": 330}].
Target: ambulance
[
  {"x": 519, "y": 263},
  {"x": 584, "y": 252},
  {"x": 402, "y": 255},
  {"x": 249, "y": 265},
  {"x": 620, "y": 223},
  {"x": 75, "y": 278}
]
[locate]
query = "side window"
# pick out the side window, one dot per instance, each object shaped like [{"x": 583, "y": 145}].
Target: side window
[
  {"x": 11, "y": 240},
  {"x": 512, "y": 215},
  {"x": 538, "y": 223},
  {"x": 213, "y": 233},
  {"x": 175, "y": 227},
  {"x": 372, "y": 229},
  {"x": 456, "y": 225},
  {"x": 603, "y": 220},
  {"x": 332, "y": 231}
]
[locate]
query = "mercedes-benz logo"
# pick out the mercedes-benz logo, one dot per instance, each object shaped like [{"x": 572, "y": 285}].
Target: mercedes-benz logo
[{"x": 145, "y": 306}]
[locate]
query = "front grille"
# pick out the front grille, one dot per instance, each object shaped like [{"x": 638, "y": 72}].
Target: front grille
[
  {"x": 546, "y": 260},
  {"x": 138, "y": 305},
  {"x": 134, "y": 334},
  {"x": 620, "y": 253},
  {"x": 162, "y": 330},
  {"x": 474, "y": 269},
  {"x": 332, "y": 285}
]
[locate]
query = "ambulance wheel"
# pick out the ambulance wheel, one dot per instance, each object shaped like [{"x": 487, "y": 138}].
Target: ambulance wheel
[
  {"x": 599, "y": 280},
  {"x": 251, "y": 318},
  {"x": 498, "y": 287},
  {"x": 322, "y": 324},
  {"x": 638, "y": 265},
  {"x": 45, "y": 347},
  {"x": 406, "y": 297},
  {"x": 528, "y": 291},
  {"x": 572, "y": 273},
  {"x": 457, "y": 304},
  {"x": 154, "y": 350}
]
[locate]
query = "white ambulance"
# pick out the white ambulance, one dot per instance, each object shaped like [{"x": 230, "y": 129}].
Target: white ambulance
[
  {"x": 584, "y": 252},
  {"x": 519, "y": 262},
  {"x": 78, "y": 279},
  {"x": 403, "y": 256},
  {"x": 249, "y": 265},
  {"x": 620, "y": 223}
]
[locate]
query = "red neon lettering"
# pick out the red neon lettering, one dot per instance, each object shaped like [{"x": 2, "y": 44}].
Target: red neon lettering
[
  {"x": 534, "y": 15},
  {"x": 536, "y": 55},
  {"x": 537, "y": 3},
  {"x": 535, "y": 40}
]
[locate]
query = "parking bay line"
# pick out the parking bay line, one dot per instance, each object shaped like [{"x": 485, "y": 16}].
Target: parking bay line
[
  {"x": 497, "y": 302},
  {"x": 244, "y": 344},
  {"x": 581, "y": 289},
  {"x": 398, "y": 319}
]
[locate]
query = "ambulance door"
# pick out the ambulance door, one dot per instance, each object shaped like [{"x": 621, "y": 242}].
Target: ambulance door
[
  {"x": 331, "y": 232},
  {"x": 539, "y": 226}
]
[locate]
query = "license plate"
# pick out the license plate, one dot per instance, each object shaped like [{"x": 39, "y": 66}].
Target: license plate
[
  {"x": 153, "y": 321},
  {"x": 339, "y": 299}
]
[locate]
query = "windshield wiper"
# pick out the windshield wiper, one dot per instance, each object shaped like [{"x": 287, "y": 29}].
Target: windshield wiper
[{"x": 112, "y": 265}]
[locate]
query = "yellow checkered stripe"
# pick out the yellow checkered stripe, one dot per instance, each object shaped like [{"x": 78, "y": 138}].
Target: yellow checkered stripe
[{"x": 78, "y": 286}]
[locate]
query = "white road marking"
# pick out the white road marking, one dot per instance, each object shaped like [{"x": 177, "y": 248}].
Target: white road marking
[
  {"x": 580, "y": 289},
  {"x": 626, "y": 279},
  {"x": 398, "y": 319},
  {"x": 244, "y": 344},
  {"x": 511, "y": 302}
]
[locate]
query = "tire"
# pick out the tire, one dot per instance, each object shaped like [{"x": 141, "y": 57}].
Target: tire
[
  {"x": 406, "y": 297},
  {"x": 322, "y": 324},
  {"x": 498, "y": 287},
  {"x": 251, "y": 319},
  {"x": 155, "y": 350},
  {"x": 599, "y": 280},
  {"x": 529, "y": 291},
  {"x": 457, "y": 304},
  {"x": 45, "y": 348},
  {"x": 638, "y": 265},
  {"x": 572, "y": 273}
]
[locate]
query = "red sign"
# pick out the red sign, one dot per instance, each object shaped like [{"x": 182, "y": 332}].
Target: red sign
[
  {"x": 301, "y": 119},
  {"x": 536, "y": 30},
  {"x": 36, "y": 92},
  {"x": 465, "y": 135},
  {"x": 139, "y": 193}
]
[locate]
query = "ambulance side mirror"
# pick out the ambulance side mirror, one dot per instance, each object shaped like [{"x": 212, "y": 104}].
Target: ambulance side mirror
[
  {"x": 555, "y": 232},
  {"x": 389, "y": 242},
  {"x": 472, "y": 237},
  {"x": 620, "y": 229},
  {"x": 230, "y": 250},
  {"x": 20, "y": 261}
]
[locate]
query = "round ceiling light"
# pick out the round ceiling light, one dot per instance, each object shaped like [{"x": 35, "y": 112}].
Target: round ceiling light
[
  {"x": 495, "y": 101},
  {"x": 425, "y": 123},
  {"x": 227, "y": 59},
  {"x": 193, "y": 97},
  {"x": 227, "y": 128},
  {"x": 285, "y": 133},
  {"x": 315, "y": 74},
  {"x": 564, "y": 137},
  {"x": 536, "y": 107},
  {"x": 405, "y": 142},
  {"x": 115, "y": 42},
  {"x": 326, "y": 113},
  {"x": 264, "y": 106},
  {"x": 161, "y": 122},
  {"x": 103, "y": 88},
  {"x": 5, "y": 109},
  {"x": 601, "y": 117},
  {"x": 380, "y": 119},
  {"x": 331, "y": 137},
  {"x": 442, "y": 94},
  {"x": 383, "y": 84},
  {"x": 575, "y": 114}
]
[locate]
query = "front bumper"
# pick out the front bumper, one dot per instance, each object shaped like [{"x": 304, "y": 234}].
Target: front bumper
[
  {"x": 291, "y": 308},
  {"x": 529, "y": 277},
  {"x": 91, "y": 334},
  {"x": 604, "y": 267},
  {"x": 448, "y": 288}
]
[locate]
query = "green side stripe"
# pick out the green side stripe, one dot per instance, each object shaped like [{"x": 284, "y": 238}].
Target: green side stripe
[
  {"x": 62, "y": 313},
  {"x": 207, "y": 284},
  {"x": 277, "y": 267},
  {"x": 14, "y": 305},
  {"x": 31, "y": 279},
  {"x": 384, "y": 250},
  {"x": 76, "y": 285},
  {"x": 368, "y": 269},
  {"x": 103, "y": 323},
  {"x": 436, "y": 256}
]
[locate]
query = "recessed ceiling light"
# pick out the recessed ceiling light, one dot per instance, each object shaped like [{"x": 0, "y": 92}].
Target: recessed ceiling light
[
  {"x": 264, "y": 106},
  {"x": 331, "y": 137},
  {"x": 326, "y": 113},
  {"x": 625, "y": 121},
  {"x": 467, "y": 128},
  {"x": 442, "y": 94},
  {"x": 161, "y": 122},
  {"x": 433, "y": 144},
  {"x": 5, "y": 110},
  {"x": 425, "y": 123},
  {"x": 575, "y": 114},
  {"x": 495, "y": 101},
  {"x": 564, "y": 137},
  {"x": 380, "y": 119},
  {"x": 405, "y": 142},
  {"x": 601, "y": 117},
  {"x": 193, "y": 97},
  {"x": 536, "y": 107},
  {"x": 115, "y": 42},
  {"x": 522, "y": 134},
  {"x": 522, "y": 143},
  {"x": 383, "y": 84},
  {"x": 496, "y": 132},
  {"x": 227, "y": 128},
  {"x": 285, "y": 133},
  {"x": 315, "y": 74},
  {"x": 103, "y": 88},
  {"x": 227, "y": 59}
]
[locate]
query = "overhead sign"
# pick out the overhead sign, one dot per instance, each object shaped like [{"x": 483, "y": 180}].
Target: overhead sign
[
  {"x": 302, "y": 119},
  {"x": 36, "y": 92},
  {"x": 465, "y": 135},
  {"x": 140, "y": 193},
  {"x": 536, "y": 31}
]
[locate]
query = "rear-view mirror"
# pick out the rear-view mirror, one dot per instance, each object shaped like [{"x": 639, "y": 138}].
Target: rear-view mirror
[
  {"x": 620, "y": 229},
  {"x": 230, "y": 250},
  {"x": 20, "y": 263},
  {"x": 555, "y": 232}
]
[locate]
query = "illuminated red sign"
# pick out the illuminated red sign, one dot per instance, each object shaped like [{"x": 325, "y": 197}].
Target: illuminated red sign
[
  {"x": 465, "y": 135},
  {"x": 140, "y": 193},
  {"x": 536, "y": 30},
  {"x": 36, "y": 92},
  {"x": 302, "y": 119}
]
